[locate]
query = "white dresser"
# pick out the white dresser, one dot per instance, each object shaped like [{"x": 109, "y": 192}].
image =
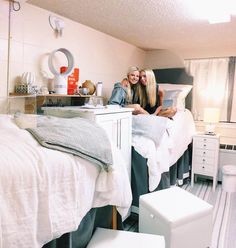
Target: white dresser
[
  {"x": 116, "y": 121},
  {"x": 205, "y": 156}
]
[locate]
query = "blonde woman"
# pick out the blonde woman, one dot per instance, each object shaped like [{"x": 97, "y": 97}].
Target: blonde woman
[
  {"x": 151, "y": 96},
  {"x": 125, "y": 92}
]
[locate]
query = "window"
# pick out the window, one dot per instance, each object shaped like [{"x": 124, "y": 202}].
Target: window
[{"x": 213, "y": 86}]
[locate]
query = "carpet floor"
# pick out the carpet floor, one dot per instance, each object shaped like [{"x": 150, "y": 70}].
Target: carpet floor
[{"x": 224, "y": 213}]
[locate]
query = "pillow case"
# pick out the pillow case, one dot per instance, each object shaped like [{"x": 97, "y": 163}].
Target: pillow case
[
  {"x": 176, "y": 92},
  {"x": 170, "y": 98},
  {"x": 24, "y": 121},
  {"x": 7, "y": 121}
]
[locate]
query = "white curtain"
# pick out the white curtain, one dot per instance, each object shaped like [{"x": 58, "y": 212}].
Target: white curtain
[
  {"x": 210, "y": 85},
  {"x": 233, "y": 110}
]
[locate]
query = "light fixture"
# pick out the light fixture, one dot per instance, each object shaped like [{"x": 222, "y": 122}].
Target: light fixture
[
  {"x": 211, "y": 117},
  {"x": 215, "y": 11}
]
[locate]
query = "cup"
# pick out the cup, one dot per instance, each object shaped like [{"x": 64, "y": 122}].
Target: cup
[{"x": 85, "y": 91}]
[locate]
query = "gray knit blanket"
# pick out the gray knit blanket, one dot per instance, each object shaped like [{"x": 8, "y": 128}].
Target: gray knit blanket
[
  {"x": 149, "y": 126},
  {"x": 77, "y": 136}
]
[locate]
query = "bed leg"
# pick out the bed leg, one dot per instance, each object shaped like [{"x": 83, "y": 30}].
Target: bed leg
[{"x": 114, "y": 218}]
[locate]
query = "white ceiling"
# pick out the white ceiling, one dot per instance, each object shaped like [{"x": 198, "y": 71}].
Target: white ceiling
[{"x": 148, "y": 24}]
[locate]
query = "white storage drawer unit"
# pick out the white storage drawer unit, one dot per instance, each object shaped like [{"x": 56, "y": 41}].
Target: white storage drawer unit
[
  {"x": 184, "y": 219},
  {"x": 205, "y": 156}
]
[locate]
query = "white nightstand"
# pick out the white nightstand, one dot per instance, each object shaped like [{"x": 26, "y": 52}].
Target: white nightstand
[{"x": 205, "y": 156}]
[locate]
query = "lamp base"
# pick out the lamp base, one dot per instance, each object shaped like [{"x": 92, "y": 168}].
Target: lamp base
[{"x": 210, "y": 129}]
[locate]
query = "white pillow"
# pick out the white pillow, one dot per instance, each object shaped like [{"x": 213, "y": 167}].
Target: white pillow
[
  {"x": 176, "y": 92},
  {"x": 7, "y": 121},
  {"x": 24, "y": 121}
]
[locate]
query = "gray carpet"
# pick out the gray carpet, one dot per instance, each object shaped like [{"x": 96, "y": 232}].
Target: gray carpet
[{"x": 224, "y": 213}]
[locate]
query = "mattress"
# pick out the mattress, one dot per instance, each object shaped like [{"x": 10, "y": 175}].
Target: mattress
[
  {"x": 45, "y": 193},
  {"x": 173, "y": 143}
]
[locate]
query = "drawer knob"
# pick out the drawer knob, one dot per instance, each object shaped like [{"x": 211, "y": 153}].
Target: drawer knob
[
  {"x": 204, "y": 153},
  {"x": 203, "y": 160},
  {"x": 203, "y": 167},
  {"x": 204, "y": 145}
]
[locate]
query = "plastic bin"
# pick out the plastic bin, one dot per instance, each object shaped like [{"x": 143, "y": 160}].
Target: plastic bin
[{"x": 229, "y": 178}]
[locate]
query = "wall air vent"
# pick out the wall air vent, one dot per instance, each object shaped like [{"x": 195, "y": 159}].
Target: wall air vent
[{"x": 228, "y": 147}]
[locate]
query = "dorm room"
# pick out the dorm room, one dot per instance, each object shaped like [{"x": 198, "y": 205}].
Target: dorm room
[{"x": 73, "y": 193}]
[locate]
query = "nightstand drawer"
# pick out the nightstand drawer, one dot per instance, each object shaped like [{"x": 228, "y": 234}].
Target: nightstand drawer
[
  {"x": 203, "y": 169},
  {"x": 203, "y": 160},
  {"x": 204, "y": 143},
  {"x": 204, "y": 153}
]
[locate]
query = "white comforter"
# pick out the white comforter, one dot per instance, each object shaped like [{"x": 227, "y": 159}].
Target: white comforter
[
  {"x": 45, "y": 193},
  {"x": 172, "y": 145}
]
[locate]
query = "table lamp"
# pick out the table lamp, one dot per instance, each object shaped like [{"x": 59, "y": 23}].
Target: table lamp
[{"x": 211, "y": 117}]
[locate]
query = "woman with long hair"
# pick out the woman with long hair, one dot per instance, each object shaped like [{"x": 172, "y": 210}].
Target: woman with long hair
[
  {"x": 151, "y": 95},
  {"x": 125, "y": 92}
]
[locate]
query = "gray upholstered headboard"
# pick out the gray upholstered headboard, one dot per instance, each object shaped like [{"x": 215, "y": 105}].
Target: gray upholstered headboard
[{"x": 175, "y": 76}]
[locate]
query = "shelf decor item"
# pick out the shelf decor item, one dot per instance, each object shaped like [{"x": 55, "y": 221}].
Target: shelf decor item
[
  {"x": 90, "y": 85},
  {"x": 23, "y": 89},
  {"x": 60, "y": 79},
  {"x": 28, "y": 78}
]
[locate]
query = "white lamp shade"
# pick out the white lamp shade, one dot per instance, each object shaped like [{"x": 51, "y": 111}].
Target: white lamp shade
[{"x": 211, "y": 115}]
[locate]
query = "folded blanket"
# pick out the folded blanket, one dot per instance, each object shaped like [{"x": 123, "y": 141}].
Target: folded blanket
[
  {"x": 77, "y": 136},
  {"x": 149, "y": 126}
]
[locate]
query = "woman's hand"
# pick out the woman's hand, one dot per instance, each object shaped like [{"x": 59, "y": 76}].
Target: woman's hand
[{"x": 158, "y": 110}]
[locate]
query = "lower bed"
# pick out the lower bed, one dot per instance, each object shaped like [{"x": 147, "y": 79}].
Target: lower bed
[
  {"x": 159, "y": 166},
  {"x": 46, "y": 193}
]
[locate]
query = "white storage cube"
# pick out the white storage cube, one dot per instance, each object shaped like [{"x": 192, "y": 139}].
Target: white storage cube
[
  {"x": 184, "y": 219},
  {"x": 108, "y": 238}
]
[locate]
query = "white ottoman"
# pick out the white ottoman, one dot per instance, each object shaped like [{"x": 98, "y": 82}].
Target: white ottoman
[
  {"x": 108, "y": 238},
  {"x": 184, "y": 219}
]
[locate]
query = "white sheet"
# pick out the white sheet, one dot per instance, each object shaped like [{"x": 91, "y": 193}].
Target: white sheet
[
  {"x": 45, "y": 193},
  {"x": 174, "y": 142}
]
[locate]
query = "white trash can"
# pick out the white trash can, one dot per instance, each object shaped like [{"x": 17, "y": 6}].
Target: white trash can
[{"x": 229, "y": 178}]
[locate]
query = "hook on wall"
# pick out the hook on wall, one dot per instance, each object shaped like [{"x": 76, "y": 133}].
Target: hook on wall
[{"x": 57, "y": 24}]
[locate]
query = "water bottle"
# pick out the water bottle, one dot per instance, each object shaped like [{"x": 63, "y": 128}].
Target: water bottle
[{"x": 99, "y": 89}]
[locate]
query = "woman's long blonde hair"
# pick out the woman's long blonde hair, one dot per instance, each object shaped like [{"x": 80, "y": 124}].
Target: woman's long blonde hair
[{"x": 147, "y": 94}]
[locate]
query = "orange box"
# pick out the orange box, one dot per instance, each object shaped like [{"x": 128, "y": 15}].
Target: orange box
[{"x": 72, "y": 80}]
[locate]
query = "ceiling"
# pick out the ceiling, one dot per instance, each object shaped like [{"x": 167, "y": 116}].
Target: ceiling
[{"x": 148, "y": 24}]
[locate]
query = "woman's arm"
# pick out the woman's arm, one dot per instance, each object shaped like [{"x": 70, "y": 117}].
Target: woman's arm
[
  {"x": 117, "y": 97},
  {"x": 161, "y": 95},
  {"x": 137, "y": 109}
]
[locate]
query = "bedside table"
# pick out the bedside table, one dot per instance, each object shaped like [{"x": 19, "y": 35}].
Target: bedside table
[{"x": 205, "y": 156}]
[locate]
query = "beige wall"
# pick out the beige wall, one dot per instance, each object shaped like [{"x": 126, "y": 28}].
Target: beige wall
[{"x": 99, "y": 57}]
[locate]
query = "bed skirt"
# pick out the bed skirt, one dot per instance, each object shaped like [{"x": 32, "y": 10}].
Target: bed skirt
[
  {"x": 178, "y": 172},
  {"x": 96, "y": 217}
]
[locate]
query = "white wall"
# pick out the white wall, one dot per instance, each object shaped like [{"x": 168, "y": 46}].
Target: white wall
[
  {"x": 99, "y": 57},
  {"x": 3, "y": 53}
]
